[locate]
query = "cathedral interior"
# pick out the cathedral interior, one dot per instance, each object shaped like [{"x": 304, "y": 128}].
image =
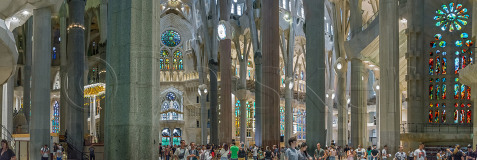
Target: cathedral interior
[{"x": 126, "y": 76}]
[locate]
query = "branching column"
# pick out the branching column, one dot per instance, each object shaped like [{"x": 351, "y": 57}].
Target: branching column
[{"x": 341, "y": 68}]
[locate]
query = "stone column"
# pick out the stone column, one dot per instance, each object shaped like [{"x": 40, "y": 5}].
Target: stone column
[
  {"x": 389, "y": 68},
  {"x": 271, "y": 76},
  {"x": 376, "y": 88},
  {"x": 40, "y": 88},
  {"x": 203, "y": 113},
  {"x": 258, "y": 73},
  {"x": 363, "y": 110},
  {"x": 289, "y": 74},
  {"x": 341, "y": 68},
  {"x": 329, "y": 117},
  {"x": 7, "y": 105},
  {"x": 358, "y": 102},
  {"x": 101, "y": 122},
  {"x": 93, "y": 117},
  {"x": 27, "y": 71},
  {"x": 315, "y": 92},
  {"x": 129, "y": 82},
  {"x": 226, "y": 78},
  {"x": 63, "y": 71},
  {"x": 242, "y": 95},
  {"x": 414, "y": 58},
  {"x": 468, "y": 76},
  {"x": 75, "y": 80}
]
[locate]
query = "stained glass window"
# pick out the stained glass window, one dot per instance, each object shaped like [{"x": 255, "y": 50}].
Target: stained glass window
[
  {"x": 431, "y": 91},
  {"x": 456, "y": 91},
  {"x": 442, "y": 44},
  {"x": 468, "y": 92},
  {"x": 443, "y": 117},
  {"x": 55, "y": 122},
  {"x": 436, "y": 116},
  {"x": 469, "y": 116},
  {"x": 444, "y": 65},
  {"x": 456, "y": 62},
  {"x": 462, "y": 91},
  {"x": 438, "y": 65},
  {"x": 456, "y": 116},
  {"x": 462, "y": 116},
  {"x": 469, "y": 43},
  {"x": 451, "y": 17},
  {"x": 458, "y": 43},
  {"x": 438, "y": 92},
  {"x": 444, "y": 90},
  {"x": 430, "y": 116},
  {"x": 431, "y": 66},
  {"x": 464, "y": 35},
  {"x": 171, "y": 38}
]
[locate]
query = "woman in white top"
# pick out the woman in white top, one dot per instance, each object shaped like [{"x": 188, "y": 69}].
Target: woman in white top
[
  {"x": 205, "y": 153},
  {"x": 224, "y": 152},
  {"x": 332, "y": 153}
]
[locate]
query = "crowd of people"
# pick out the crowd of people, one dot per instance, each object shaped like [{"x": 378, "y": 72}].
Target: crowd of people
[{"x": 299, "y": 152}]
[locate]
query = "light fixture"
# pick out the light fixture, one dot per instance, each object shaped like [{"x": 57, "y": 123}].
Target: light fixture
[
  {"x": 222, "y": 31},
  {"x": 205, "y": 90},
  {"x": 26, "y": 13},
  {"x": 14, "y": 19},
  {"x": 362, "y": 78},
  {"x": 377, "y": 87},
  {"x": 333, "y": 96},
  {"x": 286, "y": 16},
  {"x": 404, "y": 20},
  {"x": 349, "y": 100},
  {"x": 198, "y": 90},
  {"x": 327, "y": 95},
  {"x": 371, "y": 65},
  {"x": 339, "y": 66},
  {"x": 290, "y": 85}
]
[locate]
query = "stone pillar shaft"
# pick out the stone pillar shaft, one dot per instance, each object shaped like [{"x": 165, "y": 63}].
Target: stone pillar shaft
[
  {"x": 129, "y": 93},
  {"x": 315, "y": 71},
  {"x": 27, "y": 72},
  {"x": 271, "y": 76},
  {"x": 342, "y": 139},
  {"x": 358, "y": 103},
  {"x": 389, "y": 73},
  {"x": 75, "y": 80},
  {"x": 226, "y": 90},
  {"x": 63, "y": 73},
  {"x": 40, "y": 88},
  {"x": 7, "y": 106}
]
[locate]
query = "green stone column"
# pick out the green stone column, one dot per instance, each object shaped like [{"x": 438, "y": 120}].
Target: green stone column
[
  {"x": 315, "y": 69},
  {"x": 129, "y": 81}
]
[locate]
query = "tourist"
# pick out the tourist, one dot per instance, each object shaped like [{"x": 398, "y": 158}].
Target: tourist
[
  {"x": 469, "y": 153},
  {"x": 350, "y": 154},
  {"x": 261, "y": 154},
  {"x": 224, "y": 152},
  {"x": 374, "y": 153},
  {"x": 319, "y": 153},
  {"x": 303, "y": 155},
  {"x": 234, "y": 152},
  {"x": 205, "y": 153},
  {"x": 193, "y": 153},
  {"x": 276, "y": 152},
  {"x": 332, "y": 152},
  {"x": 458, "y": 154},
  {"x": 7, "y": 153},
  {"x": 161, "y": 152},
  {"x": 411, "y": 154},
  {"x": 59, "y": 152},
  {"x": 182, "y": 153},
  {"x": 400, "y": 155},
  {"x": 440, "y": 155},
  {"x": 291, "y": 153},
  {"x": 360, "y": 153},
  {"x": 345, "y": 152},
  {"x": 167, "y": 152},
  {"x": 91, "y": 153},
  {"x": 368, "y": 153},
  {"x": 45, "y": 152},
  {"x": 242, "y": 152},
  {"x": 420, "y": 153},
  {"x": 384, "y": 153},
  {"x": 254, "y": 150},
  {"x": 268, "y": 153}
]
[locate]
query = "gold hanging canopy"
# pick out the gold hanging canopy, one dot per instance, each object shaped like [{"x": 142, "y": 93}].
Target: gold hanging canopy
[{"x": 96, "y": 89}]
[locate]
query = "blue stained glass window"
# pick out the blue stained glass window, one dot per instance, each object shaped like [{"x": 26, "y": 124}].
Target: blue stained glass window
[{"x": 171, "y": 38}]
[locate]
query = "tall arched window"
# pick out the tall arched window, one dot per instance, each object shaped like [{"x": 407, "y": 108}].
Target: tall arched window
[
  {"x": 171, "y": 108},
  {"x": 449, "y": 36},
  {"x": 171, "y": 54}
]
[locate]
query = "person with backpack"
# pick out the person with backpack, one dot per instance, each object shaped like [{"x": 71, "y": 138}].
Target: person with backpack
[
  {"x": 182, "y": 153},
  {"x": 320, "y": 154},
  {"x": 224, "y": 152},
  {"x": 458, "y": 154},
  {"x": 242, "y": 153},
  {"x": 234, "y": 152},
  {"x": 45, "y": 152}
]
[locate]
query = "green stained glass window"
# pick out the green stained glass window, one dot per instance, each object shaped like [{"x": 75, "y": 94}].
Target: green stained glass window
[{"x": 170, "y": 38}]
